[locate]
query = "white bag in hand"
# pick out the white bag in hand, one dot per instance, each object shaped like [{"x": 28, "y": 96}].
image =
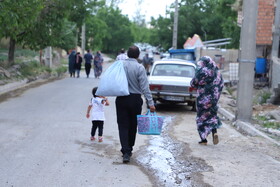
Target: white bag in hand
[{"x": 113, "y": 82}]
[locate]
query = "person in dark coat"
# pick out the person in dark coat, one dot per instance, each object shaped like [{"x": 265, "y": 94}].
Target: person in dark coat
[
  {"x": 98, "y": 63},
  {"x": 78, "y": 64},
  {"x": 71, "y": 63},
  {"x": 209, "y": 83},
  {"x": 88, "y": 58}
]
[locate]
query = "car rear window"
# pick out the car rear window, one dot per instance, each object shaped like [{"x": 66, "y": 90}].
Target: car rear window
[{"x": 178, "y": 70}]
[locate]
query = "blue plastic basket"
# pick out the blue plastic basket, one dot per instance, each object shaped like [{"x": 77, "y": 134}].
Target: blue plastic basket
[{"x": 150, "y": 124}]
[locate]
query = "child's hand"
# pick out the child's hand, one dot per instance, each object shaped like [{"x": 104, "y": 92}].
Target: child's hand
[
  {"x": 107, "y": 102},
  {"x": 87, "y": 115}
]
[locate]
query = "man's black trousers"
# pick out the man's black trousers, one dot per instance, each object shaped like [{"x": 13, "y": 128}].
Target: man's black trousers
[{"x": 128, "y": 107}]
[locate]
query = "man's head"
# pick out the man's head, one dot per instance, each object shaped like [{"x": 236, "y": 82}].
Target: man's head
[
  {"x": 122, "y": 50},
  {"x": 133, "y": 52}
]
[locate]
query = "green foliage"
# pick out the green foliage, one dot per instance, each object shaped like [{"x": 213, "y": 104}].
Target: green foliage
[
  {"x": 37, "y": 24},
  {"x": 17, "y": 16},
  {"x": 161, "y": 32},
  {"x": 60, "y": 70},
  {"x": 274, "y": 125},
  {"x": 228, "y": 11},
  {"x": 50, "y": 27},
  {"x": 118, "y": 34},
  {"x": 25, "y": 52},
  {"x": 32, "y": 68},
  {"x": 210, "y": 19},
  {"x": 96, "y": 32},
  {"x": 262, "y": 97},
  {"x": 266, "y": 122},
  {"x": 3, "y": 58},
  {"x": 140, "y": 33}
]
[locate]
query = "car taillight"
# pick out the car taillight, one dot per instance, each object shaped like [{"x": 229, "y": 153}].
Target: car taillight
[
  {"x": 155, "y": 87},
  {"x": 192, "y": 89}
]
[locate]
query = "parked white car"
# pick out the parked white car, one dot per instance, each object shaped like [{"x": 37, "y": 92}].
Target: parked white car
[{"x": 170, "y": 81}]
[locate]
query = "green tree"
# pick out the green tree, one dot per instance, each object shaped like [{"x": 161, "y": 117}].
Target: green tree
[
  {"x": 199, "y": 17},
  {"x": 96, "y": 32},
  {"x": 15, "y": 18},
  {"x": 140, "y": 33},
  {"x": 118, "y": 33},
  {"x": 50, "y": 27},
  {"x": 162, "y": 29},
  {"x": 228, "y": 9}
]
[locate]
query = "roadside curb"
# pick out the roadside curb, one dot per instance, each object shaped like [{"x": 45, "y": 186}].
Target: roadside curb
[
  {"x": 4, "y": 89},
  {"x": 226, "y": 114},
  {"x": 245, "y": 126},
  {"x": 12, "y": 86}
]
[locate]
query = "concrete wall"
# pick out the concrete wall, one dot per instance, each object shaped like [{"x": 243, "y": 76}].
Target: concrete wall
[{"x": 230, "y": 55}]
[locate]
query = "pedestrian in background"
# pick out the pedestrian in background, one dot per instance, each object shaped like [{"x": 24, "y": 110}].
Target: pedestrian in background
[
  {"x": 78, "y": 63},
  {"x": 88, "y": 58},
  {"x": 147, "y": 63},
  {"x": 71, "y": 63},
  {"x": 128, "y": 107},
  {"x": 209, "y": 84},
  {"x": 98, "y": 63},
  {"x": 97, "y": 114},
  {"x": 122, "y": 55}
]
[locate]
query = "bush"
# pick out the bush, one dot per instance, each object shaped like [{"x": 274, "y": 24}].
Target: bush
[
  {"x": 262, "y": 97},
  {"x": 25, "y": 52},
  {"x": 60, "y": 70},
  {"x": 267, "y": 122},
  {"x": 33, "y": 68}
]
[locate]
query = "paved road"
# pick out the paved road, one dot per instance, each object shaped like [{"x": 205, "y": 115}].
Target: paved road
[{"x": 45, "y": 140}]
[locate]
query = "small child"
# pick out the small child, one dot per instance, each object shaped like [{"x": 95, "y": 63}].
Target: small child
[{"x": 97, "y": 114}]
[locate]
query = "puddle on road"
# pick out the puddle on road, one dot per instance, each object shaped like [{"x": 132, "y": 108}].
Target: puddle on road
[{"x": 169, "y": 161}]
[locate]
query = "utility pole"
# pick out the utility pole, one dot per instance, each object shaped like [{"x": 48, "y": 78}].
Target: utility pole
[
  {"x": 275, "y": 46},
  {"x": 247, "y": 60},
  {"x": 275, "y": 39},
  {"x": 83, "y": 38},
  {"x": 175, "y": 26},
  {"x": 48, "y": 56}
]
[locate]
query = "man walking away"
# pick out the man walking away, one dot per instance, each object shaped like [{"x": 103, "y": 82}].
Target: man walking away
[
  {"x": 128, "y": 107},
  {"x": 88, "y": 58}
]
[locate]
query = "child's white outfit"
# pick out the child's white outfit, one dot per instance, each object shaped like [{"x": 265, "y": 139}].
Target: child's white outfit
[
  {"x": 97, "y": 116},
  {"x": 97, "y": 110}
]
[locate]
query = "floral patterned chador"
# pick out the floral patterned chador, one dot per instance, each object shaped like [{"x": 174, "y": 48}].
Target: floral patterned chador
[{"x": 209, "y": 83}]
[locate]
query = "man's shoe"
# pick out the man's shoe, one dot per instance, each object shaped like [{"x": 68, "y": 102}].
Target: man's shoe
[
  {"x": 215, "y": 138},
  {"x": 126, "y": 158}
]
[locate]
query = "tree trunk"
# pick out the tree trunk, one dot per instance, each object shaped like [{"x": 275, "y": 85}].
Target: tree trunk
[
  {"x": 41, "y": 60},
  {"x": 12, "y": 47}
]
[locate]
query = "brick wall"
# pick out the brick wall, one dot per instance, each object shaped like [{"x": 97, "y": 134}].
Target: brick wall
[{"x": 265, "y": 22}]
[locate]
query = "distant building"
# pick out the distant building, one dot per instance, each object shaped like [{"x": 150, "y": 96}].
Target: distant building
[
  {"x": 265, "y": 27},
  {"x": 193, "y": 42}
]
